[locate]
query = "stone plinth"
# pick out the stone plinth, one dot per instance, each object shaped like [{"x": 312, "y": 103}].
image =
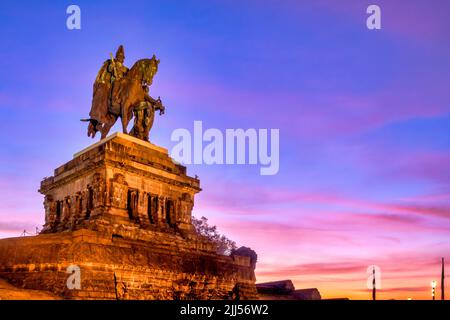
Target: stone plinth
[
  {"x": 121, "y": 180},
  {"x": 120, "y": 210}
]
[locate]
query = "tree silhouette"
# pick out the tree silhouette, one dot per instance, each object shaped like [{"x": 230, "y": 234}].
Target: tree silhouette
[{"x": 224, "y": 245}]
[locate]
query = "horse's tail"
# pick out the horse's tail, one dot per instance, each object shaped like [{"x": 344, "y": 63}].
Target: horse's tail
[{"x": 92, "y": 127}]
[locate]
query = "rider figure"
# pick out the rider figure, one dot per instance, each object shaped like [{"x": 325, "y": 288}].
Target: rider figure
[
  {"x": 117, "y": 95},
  {"x": 112, "y": 70}
]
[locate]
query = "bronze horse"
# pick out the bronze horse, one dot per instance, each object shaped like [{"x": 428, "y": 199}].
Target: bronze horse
[{"x": 127, "y": 93}]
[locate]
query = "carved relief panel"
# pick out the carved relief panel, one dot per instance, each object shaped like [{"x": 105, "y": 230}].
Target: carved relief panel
[
  {"x": 186, "y": 206},
  {"x": 119, "y": 191},
  {"x": 50, "y": 213},
  {"x": 98, "y": 190}
]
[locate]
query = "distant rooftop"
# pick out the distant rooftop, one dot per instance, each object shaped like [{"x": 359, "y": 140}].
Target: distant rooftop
[{"x": 285, "y": 290}]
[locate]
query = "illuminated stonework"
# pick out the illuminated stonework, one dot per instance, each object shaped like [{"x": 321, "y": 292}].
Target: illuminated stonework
[{"x": 121, "y": 210}]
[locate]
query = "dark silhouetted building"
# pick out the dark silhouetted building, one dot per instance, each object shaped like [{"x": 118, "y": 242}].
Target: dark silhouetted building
[{"x": 285, "y": 290}]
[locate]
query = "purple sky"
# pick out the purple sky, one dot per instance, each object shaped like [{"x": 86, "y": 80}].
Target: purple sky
[{"x": 364, "y": 119}]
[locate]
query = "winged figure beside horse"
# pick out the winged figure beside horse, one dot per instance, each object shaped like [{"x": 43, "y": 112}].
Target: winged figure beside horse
[{"x": 122, "y": 93}]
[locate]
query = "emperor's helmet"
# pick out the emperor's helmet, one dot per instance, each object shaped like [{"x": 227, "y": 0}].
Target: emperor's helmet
[{"x": 120, "y": 54}]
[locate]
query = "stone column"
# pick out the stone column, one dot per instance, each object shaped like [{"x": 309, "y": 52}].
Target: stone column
[
  {"x": 50, "y": 214},
  {"x": 161, "y": 219},
  {"x": 143, "y": 209}
]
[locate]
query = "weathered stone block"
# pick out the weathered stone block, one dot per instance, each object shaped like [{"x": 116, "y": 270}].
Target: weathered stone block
[{"x": 120, "y": 210}]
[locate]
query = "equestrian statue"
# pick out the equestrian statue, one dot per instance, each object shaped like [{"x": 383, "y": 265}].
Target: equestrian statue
[{"x": 122, "y": 93}]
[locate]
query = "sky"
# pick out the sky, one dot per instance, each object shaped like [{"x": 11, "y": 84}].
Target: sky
[{"x": 364, "y": 120}]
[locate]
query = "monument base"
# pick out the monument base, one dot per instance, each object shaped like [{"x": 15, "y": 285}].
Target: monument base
[
  {"x": 118, "y": 217},
  {"x": 112, "y": 267}
]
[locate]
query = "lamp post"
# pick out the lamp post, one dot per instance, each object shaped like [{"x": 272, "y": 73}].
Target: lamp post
[
  {"x": 442, "y": 281},
  {"x": 433, "y": 288}
]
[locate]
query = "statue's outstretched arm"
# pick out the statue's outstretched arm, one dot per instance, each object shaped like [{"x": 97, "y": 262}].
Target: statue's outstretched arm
[{"x": 150, "y": 99}]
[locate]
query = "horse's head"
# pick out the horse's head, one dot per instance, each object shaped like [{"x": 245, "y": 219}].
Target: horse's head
[
  {"x": 149, "y": 69},
  {"x": 144, "y": 70}
]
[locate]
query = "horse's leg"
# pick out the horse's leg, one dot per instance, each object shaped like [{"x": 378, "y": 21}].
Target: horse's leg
[
  {"x": 105, "y": 129},
  {"x": 107, "y": 126},
  {"x": 127, "y": 114},
  {"x": 124, "y": 124}
]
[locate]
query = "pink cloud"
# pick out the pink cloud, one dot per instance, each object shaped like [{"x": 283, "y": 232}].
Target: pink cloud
[
  {"x": 255, "y": 199},
  {"x": 400, "y": 274},
  {"x": 306, "y": 269},
  {"x": 336, "y": 113},
  {"x": 16, "y": 227},
  {"x": 397, "y": 165}
]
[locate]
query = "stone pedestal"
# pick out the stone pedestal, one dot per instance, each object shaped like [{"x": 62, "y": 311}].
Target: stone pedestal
[
  {"x": 120, "y": 210},
  {"x": 119, "y": 180}
]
